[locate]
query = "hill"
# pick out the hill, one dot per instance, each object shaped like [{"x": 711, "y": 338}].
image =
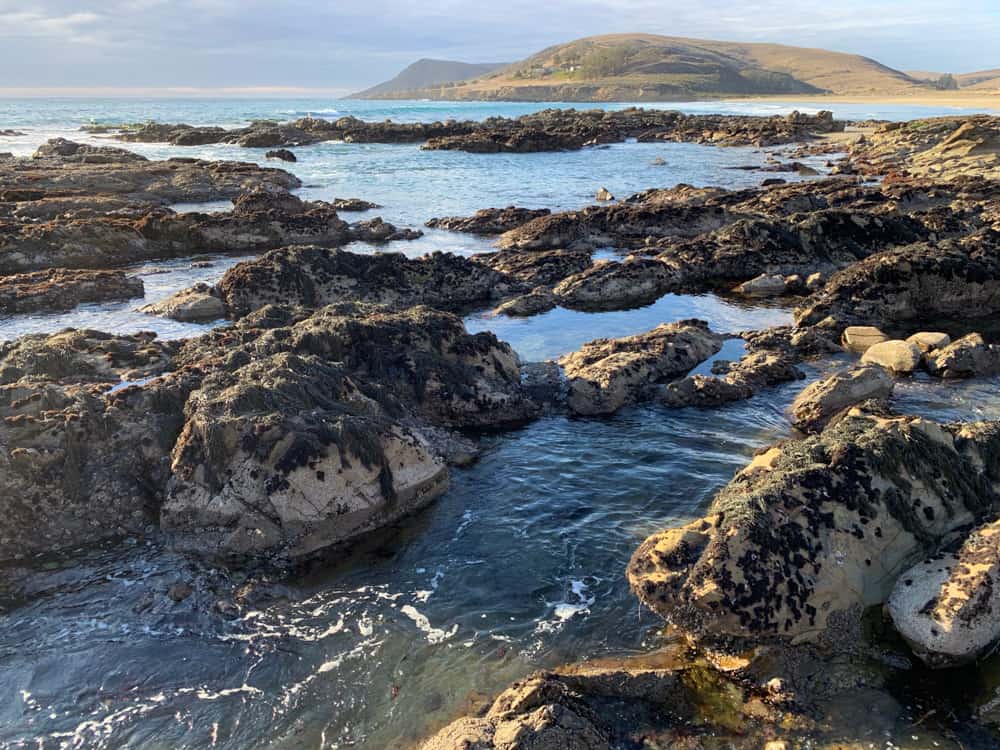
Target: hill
[
  {"x": 646, "y": 67},
  {"x": 425, "y": 73}
]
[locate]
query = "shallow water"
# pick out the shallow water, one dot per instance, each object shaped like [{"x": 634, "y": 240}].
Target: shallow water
[{"x": 519, "y": 566}]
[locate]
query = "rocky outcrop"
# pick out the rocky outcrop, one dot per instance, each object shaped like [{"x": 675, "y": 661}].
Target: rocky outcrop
[
  {"x": 942, "y": 147},
  {"x": 921, "y": 281},
  {"x": 825, "y": 399},
  {"x": 315, "y": 276},
  {"x": 489, "y": 221},
  {"x": 613, "y": 285},
  {"x": 290, "y": 432},
  {"x": 815, "y": 530},
  {"x": 607, "y": 374},
  {"x": 353, "y": 204},
  {"x": 62, "y": 289},
  {"x": 947, "y": 606},
  {"x": 282, "y": 154},
  {"x": 536, "y": 268}
]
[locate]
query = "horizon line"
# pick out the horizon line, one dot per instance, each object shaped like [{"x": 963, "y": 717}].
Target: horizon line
[{"x": 31, "y": 92}]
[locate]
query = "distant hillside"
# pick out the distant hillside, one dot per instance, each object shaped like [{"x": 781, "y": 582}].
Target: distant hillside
[
  {"x": 424, "y": 73},
  {"x": 645, "y": 67}
]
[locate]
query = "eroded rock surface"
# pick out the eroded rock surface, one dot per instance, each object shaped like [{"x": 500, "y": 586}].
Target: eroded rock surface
[{"x": 815, "y": 530}]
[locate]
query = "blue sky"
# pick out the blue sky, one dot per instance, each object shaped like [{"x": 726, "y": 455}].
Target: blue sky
[{"x": 348, "y": 44}]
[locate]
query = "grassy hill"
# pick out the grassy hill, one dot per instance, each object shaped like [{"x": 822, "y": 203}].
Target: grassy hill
[
  {"x": 424, "y": 73},
  {"x": 646, "y": 67}
]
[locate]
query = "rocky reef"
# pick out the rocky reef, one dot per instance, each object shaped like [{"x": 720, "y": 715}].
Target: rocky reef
[{"x": 548, "y": 130}]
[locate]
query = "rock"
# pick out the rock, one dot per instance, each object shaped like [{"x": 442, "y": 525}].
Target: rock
[
  {"x": 927, "y": 341},
  {"x": 353, "y": 204},
  {"x": 948, "y": 607},
  {"x": 609, "y": 285},
  {"x": 605, "y": 195},
  {"x": 547, "y": 267},
  {"x": 898, "y": 357},
  {"x": 267, "y": 198},
  {"x": 179, "y": 591},
  {"x": 488, "y": 221},
  {"x": 78, "y": 152},
  {"x": 537, "y": 301},
  {"x": 282, "y": 153},
  {"x": 814, "y": 531},
  {"x": 815, "y": 281},
  {"x": 969, "y": 356},
  {"x": 754, "y": 371},
  {"x": 315, "y": 276},
  {"x": 859, "y": 339},
  {"x": 951, "y": 278},
  {"x": 825, "y": 399},
  {"x": 64, "y": 289},
  {"x": 198, "y": 304},
  {"x": 764, "y": 285},
  {"x": 606, "y": 374},
  {"x": 377, "y": 230}
]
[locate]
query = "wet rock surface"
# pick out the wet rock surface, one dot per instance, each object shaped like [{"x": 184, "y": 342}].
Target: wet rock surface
[
  {"x": 606, "y": 374},
  {"x": 291, "y": 432},
  {"x": 814, "y": 531},
  {"x": 489, "y": 220},
  {"x": 825, "y": 399}
]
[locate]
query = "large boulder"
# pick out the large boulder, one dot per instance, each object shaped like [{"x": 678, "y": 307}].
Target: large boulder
[
  {"x": 827, "y": 398},
  {"x": 606, "y": 374},
  {"x": 198, "y": 304},
  {"x": 859, "y": 339},
  {"x": 813, "y": 531},
  {"x": 948, "y": 606}
]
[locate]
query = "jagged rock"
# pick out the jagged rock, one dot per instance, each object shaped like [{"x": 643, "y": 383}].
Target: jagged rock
[
  {"x": 63, "y": 289},
  {"x": 606, "y": 374},
  {"x": 604, "y": 195},
  {"x": 815, "y": 530},
  {"x": 948, "y": 606},
  {"x": 195, "y": 305},
  {"x": 969, "y": 356},
  {"x": 489, "y": 221},
  {"x": 268, "y": 197},
  {"x": 859, "y": 339},
  {"x": 610, "y": 285},
  {"x": 928, "y": 341},
  {"x": 316, "y": 276},
  {"x": 825, "y": 399},
  {"x": 898, "y": 357},
  {"x": 377, "y": 230},
  {"x": 282, "y": 153}
]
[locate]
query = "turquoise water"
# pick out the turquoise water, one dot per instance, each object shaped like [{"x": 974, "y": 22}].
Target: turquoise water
[{"x": 519, "y": 566}]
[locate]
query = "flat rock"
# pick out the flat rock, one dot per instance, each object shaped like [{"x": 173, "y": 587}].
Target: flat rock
[
  {"x": 859, "y": 339},
  {"x": 898, "y": 357}
]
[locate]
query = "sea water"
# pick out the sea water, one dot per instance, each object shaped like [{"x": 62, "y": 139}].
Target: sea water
[{"x": 519, "y": 566}]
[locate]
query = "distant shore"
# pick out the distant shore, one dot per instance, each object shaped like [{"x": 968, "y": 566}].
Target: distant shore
[{"x": 944, "y": 98}]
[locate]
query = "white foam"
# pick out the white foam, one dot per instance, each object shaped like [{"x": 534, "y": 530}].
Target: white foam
[{"x": 434, "y": 635}]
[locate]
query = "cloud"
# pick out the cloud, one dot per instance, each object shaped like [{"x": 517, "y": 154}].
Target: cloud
[{"x": 351, "y": 43}]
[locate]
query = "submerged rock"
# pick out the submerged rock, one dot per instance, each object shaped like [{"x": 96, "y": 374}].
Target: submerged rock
[
  {"x": 815, "y": 530},
  {"x": 606, "y": 374}
]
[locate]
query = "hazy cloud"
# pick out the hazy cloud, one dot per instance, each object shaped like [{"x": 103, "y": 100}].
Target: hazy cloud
[{"x": 352, "y": 43}]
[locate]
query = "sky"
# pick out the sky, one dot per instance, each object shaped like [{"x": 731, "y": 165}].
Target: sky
[{"x": 345, "y": 45}]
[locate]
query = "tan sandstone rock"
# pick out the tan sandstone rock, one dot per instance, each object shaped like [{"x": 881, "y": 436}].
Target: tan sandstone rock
[{"x": 898, "y": 357}]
